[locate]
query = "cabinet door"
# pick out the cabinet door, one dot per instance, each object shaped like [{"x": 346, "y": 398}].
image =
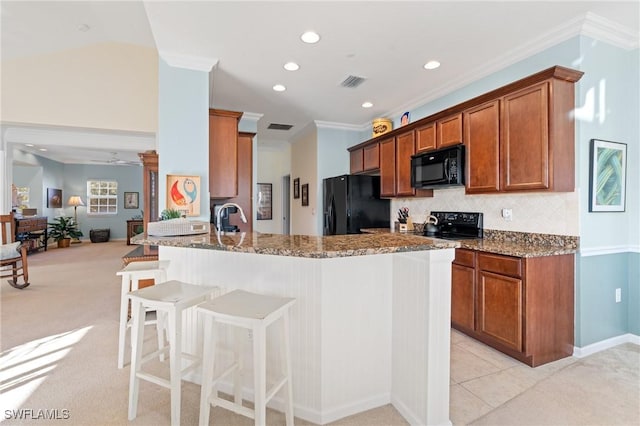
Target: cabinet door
[
  {"x": 426, "y": 137},
  {"x": 499, "y": 307},
  {"x": 449, "y": 131},
  {"x": 371, "y": 157},
  {"x": 524, "y": 144},
  {"x": 223, "y": 153},
  {"x": 405, "y": 148},
  {"x": 462, "y": 297},
  {"x": 388, "y": 168},
  {"x": 245, "y": 182},
  {"x": 481, "y": 139},
  {"x": 356, "y": 161}
]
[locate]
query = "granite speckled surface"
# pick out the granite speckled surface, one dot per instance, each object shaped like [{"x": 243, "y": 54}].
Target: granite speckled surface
[
  {"x": 302, "y": 245},
  {"x": 518, "y": 244}
]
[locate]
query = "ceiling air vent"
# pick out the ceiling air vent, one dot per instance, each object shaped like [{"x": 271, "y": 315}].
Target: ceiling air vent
[
  {"x": 276, "y": 126},
  {"x": 352, "y": 81}
]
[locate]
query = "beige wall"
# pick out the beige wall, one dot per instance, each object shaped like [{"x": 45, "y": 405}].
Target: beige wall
[
  {"x": 546, "y": 213},
  {"x": 103, "y": 86},
  {"x": 304, "y": 165},
  {"x": 273, "y": 164}
]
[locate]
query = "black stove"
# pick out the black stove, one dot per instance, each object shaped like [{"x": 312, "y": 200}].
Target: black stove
[{"x": 456, "y": 226}]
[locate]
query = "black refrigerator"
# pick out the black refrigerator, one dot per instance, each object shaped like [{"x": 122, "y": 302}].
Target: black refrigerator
[{"x": 352, "y": 202}]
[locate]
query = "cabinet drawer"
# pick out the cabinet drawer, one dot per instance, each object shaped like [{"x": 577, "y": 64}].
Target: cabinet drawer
[
  {"x": 465, "y": 257},
  {"x": 503, "y": 265}
]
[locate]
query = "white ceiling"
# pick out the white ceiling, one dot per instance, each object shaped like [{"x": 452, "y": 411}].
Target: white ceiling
[{"x": 387, "y": 42}]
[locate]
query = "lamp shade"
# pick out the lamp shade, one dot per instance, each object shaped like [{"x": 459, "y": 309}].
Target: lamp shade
[{"x": 75, "y": 200}]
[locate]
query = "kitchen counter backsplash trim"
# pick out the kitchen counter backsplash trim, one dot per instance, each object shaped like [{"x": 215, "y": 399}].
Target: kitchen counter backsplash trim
[{"x": 303, "y": 245}]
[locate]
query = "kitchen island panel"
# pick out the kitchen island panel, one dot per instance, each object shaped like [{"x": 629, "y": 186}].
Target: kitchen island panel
[{"x": 349, "y": 338}]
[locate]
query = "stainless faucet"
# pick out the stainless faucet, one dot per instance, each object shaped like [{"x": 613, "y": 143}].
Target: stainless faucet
[{"x": 224, "y": 206}]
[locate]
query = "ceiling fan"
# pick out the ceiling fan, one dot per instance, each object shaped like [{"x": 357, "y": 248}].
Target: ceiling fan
[{"x": 116, "y": 161}]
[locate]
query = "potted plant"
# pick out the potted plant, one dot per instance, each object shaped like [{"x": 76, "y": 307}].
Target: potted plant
[{"x": 63, "y": 229}]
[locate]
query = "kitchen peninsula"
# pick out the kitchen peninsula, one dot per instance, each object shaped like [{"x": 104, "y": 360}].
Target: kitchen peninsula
[{"x": 371, "y": 325}]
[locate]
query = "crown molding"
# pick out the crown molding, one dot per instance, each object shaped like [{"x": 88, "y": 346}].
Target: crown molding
[
  {"x": 251, "y": 116},
  {"x": 195, "y": 63},
  {"x": 339, "y": 126},
  {"x": 590, "y": 25}
]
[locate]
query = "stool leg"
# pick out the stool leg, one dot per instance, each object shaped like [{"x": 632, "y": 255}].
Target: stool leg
[
  {"x": 208, "y": 360},
  {"x": 285, "y": 356},
  {"x": 122, "y": 333},
  {"x": 260, "y": 374},
  {"x": 138, "y": 313},
  {"x": 238, "y": 373},
  {"x": 175, "y": 364},
  {"x": 159, "y": 277}
]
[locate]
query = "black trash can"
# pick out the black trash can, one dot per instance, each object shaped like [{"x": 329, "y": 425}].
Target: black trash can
[{"x": 99, "y": 235}]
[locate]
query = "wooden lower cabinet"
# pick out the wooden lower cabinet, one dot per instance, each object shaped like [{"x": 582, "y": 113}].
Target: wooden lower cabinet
[{"x": 523, "y": 307}]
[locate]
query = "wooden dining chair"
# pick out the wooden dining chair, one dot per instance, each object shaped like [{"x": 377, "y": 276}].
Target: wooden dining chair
[{"x": 12, "y": 254}]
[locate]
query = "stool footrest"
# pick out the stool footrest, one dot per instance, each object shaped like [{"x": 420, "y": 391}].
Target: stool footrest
[
  {"x": 275, "y": 389},
  {"x": 239, "y": 409},
  {"x": 154, "y": 354},
  {"x": 154, "y": 379},
  {"x": 224, "y": 373}
]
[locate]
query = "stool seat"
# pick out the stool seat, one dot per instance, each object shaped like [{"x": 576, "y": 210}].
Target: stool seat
[
  {"x": 131, "y": 275},
  {"x": 255, "y": 312},
  {"x": 170, "y": 298}
]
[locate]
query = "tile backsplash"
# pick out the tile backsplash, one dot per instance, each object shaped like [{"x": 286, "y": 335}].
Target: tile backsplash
[{"x": 547, "y": 213}]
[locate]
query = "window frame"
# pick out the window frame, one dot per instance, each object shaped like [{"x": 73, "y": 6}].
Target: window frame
[{"x": 107, "y": 204}]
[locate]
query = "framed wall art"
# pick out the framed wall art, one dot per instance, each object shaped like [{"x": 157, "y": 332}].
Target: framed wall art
[
  {"x": 607, "y": 176},
  {"x": 183, "y": 194},
  {"x": 131, "y": 200},
  {"x": 305, "y": 194},
  {"x": 296, "y": 188},
  {"x": 264, "y": 211},
  {"x": 54, "y": 198}
]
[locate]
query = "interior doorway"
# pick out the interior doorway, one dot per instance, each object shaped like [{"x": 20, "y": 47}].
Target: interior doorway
[{"x": 286, "y": 205}]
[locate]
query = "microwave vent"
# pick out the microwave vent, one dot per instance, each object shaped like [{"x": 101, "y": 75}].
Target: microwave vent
[{"x": 352, "y": 81}]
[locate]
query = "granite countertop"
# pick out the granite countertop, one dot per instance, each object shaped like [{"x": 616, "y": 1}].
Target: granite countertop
[
  {"x": 302, "y": 245},
  {"x": 510, "y": 243}
]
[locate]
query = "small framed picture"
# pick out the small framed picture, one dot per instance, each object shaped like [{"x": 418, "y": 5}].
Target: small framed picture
[
  {"x": 54, "y": 198},
  {"x": 131, "y": 200},
  {"x": 405, "y": 119},
  {"x": 264, "y": 211},
  {"x": 305, "y": 194},
  {"x": 607, "y": 176},
  {"x": 296, "y": 188}
]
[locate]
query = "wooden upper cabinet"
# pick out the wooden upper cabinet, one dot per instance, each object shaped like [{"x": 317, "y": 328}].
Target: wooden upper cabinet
[
  {"x": 223, "y": 153},
  {"x": 356, "y": 161},
  {"x": 481, "y": 139},
  {"x": 405, "y": 148},
  {"x": 449, "y": 131},
  {"x": 245, "y": 182},
  {"x": 388, "y": 167},
  {"x": 524, "y": 145},
  {"x": 371, "y": 154},
  {"x": 426, "y": 137}
]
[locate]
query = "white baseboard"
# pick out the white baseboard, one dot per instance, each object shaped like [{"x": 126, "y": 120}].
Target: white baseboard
[
  {"x": 605, "y": 344},
  {"x": 409, "y": 415}
]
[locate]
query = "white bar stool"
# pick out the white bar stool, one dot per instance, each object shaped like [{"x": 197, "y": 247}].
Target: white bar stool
[
  {"x": 170, "y": 298},
  {"x": 131, "y": 276},
  {"x": 254, "y": 312}
]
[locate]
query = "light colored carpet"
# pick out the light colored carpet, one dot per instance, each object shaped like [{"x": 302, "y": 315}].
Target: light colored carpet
[{"x": 59, "y": 351}]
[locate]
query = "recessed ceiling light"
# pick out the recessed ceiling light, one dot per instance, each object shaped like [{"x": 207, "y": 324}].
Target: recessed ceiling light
[
  {"x": 42, "y": 149},
  {"x": 291, "y": 66},
  {"x": 84, "y": 28},
  {"x": 279, "y": 88},
  {"x": 367, "y": 105},
  {"x": 431, "y": 65},
  {"x": 28, "y": 144},
  {"x": 310, "y": 37}
]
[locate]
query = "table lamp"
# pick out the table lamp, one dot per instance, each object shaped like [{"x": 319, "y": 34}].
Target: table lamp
[{"x": 75, "y": 201}]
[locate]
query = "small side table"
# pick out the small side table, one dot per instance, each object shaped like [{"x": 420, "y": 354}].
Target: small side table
[{"x": 134, "y": 227}]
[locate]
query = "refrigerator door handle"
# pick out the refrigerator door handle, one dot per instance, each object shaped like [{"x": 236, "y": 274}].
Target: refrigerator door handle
[{"x": 332, "y": 220}]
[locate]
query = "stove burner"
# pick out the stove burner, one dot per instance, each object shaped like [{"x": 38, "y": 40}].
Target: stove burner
[{"x": 457, "y": 226}]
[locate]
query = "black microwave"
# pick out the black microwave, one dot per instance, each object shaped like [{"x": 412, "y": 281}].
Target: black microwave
[{"x": 437, "y": 169}]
